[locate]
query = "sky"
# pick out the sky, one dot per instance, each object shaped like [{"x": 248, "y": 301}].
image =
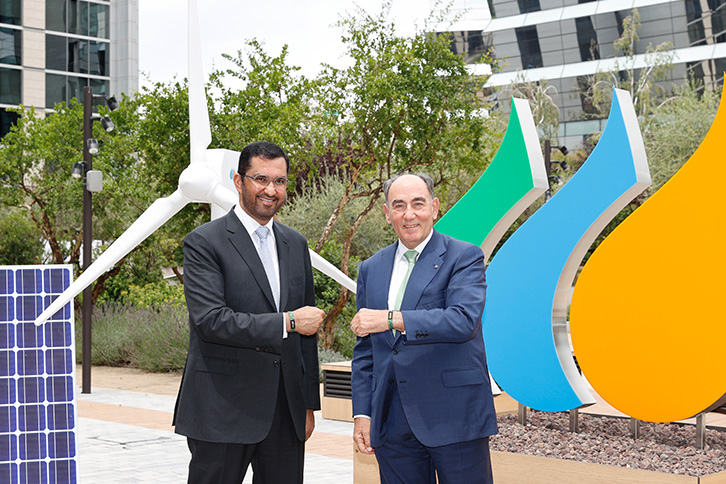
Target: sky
[{"x": 306, "y": 26}]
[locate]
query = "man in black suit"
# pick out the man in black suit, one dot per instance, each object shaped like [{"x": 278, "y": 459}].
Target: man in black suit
[{"x": 250, "y": 384}]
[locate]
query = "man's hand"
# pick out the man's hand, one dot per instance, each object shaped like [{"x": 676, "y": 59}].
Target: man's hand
[
  {"x": 368, "y": 321},
  {"x": 362, "y": 435},
  {"x": 309, "y": 424},
  {"x": 307, "y": 320}
]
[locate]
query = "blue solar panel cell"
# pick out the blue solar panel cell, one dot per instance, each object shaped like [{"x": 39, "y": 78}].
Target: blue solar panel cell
[
  {"x": 32, "y": 418},
  {"x": 8, "y": 419},
  {"x": 7, "y": 309},
  {"x": 37, "y": 372},
  {"x": 7, "y": 337},
  {"x": 7, "y": 281},
  {"x": 61, "y": 416},
  {"x": 62, "y": 471},
  {"x": 57, "y": 334}
]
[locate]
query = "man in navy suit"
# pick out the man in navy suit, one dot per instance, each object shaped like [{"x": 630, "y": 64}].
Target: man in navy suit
[
  {"x": 421, "y": 395},
  {"x": 250, "y": 384}
]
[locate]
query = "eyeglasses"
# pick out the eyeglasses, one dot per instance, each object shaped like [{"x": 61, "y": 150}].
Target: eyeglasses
[{"x": 263, "y": 180}]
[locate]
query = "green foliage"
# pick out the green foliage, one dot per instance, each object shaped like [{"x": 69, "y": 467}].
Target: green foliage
[
  {"x": 20, "y": 240},
  {"x": 310, "y": 211},
  {"x": 152, "y": 339},
  {"x": 676, "y": 128},
  {"x": 160, "y": 337},
  {"x": 156, "y": 294},
  {"x": 327, "y": 292},
  {"x": 542, "y": 98},
  {"x": 641, "y": 83},
  {"x": 111, "y": 341}
]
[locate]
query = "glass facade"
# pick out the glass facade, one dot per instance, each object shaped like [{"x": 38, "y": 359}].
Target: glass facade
[
  {"x": 10, "y": 46},
  {"x": 10, "y": 11},
  {"x": 7, "y": 120},
  {"x": 10, "y": 87},
  {"x": 562, "y": 38},
  {"x": 63, "y": 88},
  {"x": 77, "y": 51},
  {"x": 77, "y": 17},
  {"x": 77, "y": 45}
]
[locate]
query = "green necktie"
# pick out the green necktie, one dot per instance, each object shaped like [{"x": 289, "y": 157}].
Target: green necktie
[{"x": 410, "y": 256}]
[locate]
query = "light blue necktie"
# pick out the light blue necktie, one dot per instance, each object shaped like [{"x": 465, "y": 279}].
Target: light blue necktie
[
  {"x": 266, "y": 257},
  {"x": 410, "y": 256}
]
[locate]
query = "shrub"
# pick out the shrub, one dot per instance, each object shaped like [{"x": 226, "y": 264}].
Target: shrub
[
  {"x": 111, "y": 342},
  {"x": 159, "y": 294},
  {"x": 21, "y": 242},
  {"x": 160, "y": 337}
]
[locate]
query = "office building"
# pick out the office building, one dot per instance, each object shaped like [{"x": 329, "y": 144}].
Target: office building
[
  {"x": 51, "y": 49},
  {"x": 565, "y": 41}
]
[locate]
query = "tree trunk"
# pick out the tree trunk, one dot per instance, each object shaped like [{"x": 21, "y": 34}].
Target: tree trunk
[{"x": 327, "y": 335}]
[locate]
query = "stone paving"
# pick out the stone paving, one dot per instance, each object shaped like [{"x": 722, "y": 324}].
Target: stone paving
[{"x": 126, "y": 437}]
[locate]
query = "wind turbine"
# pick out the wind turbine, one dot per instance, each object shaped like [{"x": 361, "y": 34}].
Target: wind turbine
[{"x": 207, "y": 179}]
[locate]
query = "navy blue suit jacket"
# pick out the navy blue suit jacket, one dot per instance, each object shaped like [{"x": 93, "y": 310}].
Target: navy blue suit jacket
[{"x": 439, "y": 365}]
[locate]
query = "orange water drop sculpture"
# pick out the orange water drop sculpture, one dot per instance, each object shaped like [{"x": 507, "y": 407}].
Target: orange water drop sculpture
[{"x": 647, "y": 316}]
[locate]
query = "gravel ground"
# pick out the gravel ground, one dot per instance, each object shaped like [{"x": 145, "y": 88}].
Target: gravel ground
[{"x": 661, "y": 447}]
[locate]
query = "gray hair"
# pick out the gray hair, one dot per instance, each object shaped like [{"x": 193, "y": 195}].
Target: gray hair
[{"x": 426, "y": 179}]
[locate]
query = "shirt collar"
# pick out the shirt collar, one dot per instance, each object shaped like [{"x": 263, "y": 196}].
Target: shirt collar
[
  {"x": 401, "y": 249},
  {"x": 249, "y": 223}
]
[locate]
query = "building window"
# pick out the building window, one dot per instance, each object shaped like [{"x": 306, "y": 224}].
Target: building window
[
  {"x": 56, "y": 52},
  {"x": 77, "y": 17},
  {"x": 470, "y": 44},
  {"x": 10, "y": 46},
  {"x": 587, "y": 39},
  {"x": 526, "y": 6},
  {"x": 10, "y": 87},
  {"x": 60, "y": 88},
  {"x": 10, "y": 12},
  {"x": 529, "y": 48},
  {"x": 55, "y": 89},
  {"x": 7, "y": 120}
]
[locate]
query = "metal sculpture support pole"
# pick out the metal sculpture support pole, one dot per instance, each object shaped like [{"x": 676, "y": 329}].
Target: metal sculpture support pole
[{"x": 87, "y": 238}]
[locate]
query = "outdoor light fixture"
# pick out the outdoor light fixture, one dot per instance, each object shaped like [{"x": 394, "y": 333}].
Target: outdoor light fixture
[
  {"x": 107, "y": 124},
  {"x": 79, "y": 168},
  {"x": 92, "y": 183},
  {"x": 92, "y": 145},
  {"x": 112, "y": 103}
]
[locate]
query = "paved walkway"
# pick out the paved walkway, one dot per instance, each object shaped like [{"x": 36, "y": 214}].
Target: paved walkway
[{"x": 126, "y": 436}]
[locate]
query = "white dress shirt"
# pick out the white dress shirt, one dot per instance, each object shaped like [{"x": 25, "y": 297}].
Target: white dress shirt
[
  {"x": 251, "y": 225},
  {"x": 400, "y": 267}
]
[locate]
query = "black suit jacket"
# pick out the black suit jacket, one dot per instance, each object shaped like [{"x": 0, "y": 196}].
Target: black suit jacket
[{"x": 236, "y": 349}]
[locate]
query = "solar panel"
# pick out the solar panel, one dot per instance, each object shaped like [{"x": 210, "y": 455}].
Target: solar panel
[{"x": 37, "y": 378}]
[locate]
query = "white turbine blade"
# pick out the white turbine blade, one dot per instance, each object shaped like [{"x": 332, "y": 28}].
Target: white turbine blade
[
  {"x": 331, "y": 271},
  {"x": 222, "y": 197},
  {"x": 154, "y": 217},
  {"x": 200, "y": 134}
]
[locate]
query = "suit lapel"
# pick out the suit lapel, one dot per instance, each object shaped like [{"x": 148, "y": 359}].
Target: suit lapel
[
  {"x": 242, "y": 243},
  {"x": 283, "y": 258},
  {"x": 424, "y": 271}
]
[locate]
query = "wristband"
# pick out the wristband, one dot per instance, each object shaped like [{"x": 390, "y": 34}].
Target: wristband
[
  {"x": 390, "y": 319},
  {"x": 292, "y": 321}
]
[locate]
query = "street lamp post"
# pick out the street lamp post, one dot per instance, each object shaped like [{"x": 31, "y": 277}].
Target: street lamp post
[
  {"x": 92, "y": 182},
  {"x": 87, "y": 237}
]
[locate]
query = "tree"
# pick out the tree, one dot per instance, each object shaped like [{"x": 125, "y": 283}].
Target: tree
[
  {"x": 404, "y": 104},
  {"x": 35, "y": 163},
  {"x": 641, "y": 83},
  {"x": 20, "y": 240}
]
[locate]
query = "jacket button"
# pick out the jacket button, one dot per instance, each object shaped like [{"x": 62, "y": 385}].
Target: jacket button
[
  {"x": 390, "y": 381},
  {"x": 395, "y": 351},
  {"x": 276, "y": 364}
]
